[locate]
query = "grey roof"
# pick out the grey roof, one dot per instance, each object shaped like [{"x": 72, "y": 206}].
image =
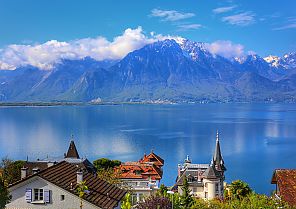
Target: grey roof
[
  {"x": 211, "y": 173},
  {"x": 218, "y": 160}
]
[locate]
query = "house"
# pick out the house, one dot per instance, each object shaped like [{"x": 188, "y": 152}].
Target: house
[
  {"x": 53, "y": 185},
  {"x": 285, "y": 181},
  {"x": 205, "y": 180},
  {"x": 70, "y": 156},
  {"x": 143, "y": 176}
]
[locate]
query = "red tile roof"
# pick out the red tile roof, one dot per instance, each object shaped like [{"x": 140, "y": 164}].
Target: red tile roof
[
  {"x": 140, "y": 171},
  {"x": 148, "y": 167},
  {"x": 153, "y": 158},
  {"x": 286, "y": 182},
  {"x": 63, "y": 174}
]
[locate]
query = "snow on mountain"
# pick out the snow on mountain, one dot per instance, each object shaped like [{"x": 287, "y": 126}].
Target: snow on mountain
[
  {"x": 289, "y": 61},
  {"x": 272, "y": 60},
  {"x": 194, "y": 50}
]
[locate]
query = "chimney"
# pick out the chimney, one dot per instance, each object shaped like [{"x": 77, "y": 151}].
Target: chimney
[
  {"x": 79, "y": 176},
  {"x": 35, "y": 170},
  {"x": 24, "y": 172},
  {"x": 49, "y": 164}
]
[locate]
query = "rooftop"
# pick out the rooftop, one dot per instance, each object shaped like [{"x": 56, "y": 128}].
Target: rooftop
[
  {"x": 63, "y": 175},
  {"x": 286, "y": 181},
  {"x": 147, "y": 167}
]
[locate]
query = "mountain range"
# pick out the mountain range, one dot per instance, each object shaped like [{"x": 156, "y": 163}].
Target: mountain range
[{"x": 183, "y": 71}]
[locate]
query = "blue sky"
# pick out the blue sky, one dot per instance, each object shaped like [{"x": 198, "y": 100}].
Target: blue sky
[{"x": 265, "y": 27}]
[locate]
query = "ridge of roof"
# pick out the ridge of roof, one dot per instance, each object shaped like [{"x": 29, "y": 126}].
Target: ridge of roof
[{"x": 63, "y": 175}]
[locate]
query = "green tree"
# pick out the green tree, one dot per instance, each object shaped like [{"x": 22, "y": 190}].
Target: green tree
[
  {"x": 11, "y": 169},
  {"x": 105, "y": 163},
  {"x": 186, "y": 198},
  {"x": 110, "y": 175},
  {"x": 239, "y": 189},
  {"x": 126, "y": 203},
  {"x": 162, "y": 191},
  {"x": 5, "y": 197},
  {"x": 81, "y": 191}
]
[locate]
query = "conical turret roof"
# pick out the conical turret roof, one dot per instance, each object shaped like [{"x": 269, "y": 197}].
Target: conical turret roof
[
  {"x": 72, "y": 151},
  {"x": 217, "y": 159}
]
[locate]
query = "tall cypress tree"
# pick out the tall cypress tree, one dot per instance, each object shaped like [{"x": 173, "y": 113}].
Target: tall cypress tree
[{"x": 186, "y": 197}]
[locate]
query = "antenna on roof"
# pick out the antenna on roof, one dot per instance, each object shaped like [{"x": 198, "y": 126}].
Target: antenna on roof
[{"x": 27, "y": 158}]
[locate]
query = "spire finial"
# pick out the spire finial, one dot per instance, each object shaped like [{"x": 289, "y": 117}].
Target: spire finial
[
  {"x": 72, "y": 137},
  {"x": 217, "y": 135}
]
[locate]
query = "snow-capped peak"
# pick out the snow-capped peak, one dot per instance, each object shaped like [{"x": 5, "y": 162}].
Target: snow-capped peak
[{"x": 272, "y": 60}]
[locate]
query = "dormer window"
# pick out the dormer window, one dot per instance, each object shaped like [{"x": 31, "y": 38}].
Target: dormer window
[{"x": 38, "y": 195}]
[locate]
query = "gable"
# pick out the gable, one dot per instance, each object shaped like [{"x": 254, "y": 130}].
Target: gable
[{"x": 19, "y": 199}]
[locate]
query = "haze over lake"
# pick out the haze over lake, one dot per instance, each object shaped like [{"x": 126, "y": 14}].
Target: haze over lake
[{"x": 255, "y": 138}]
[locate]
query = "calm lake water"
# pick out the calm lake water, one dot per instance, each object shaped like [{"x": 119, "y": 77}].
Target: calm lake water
[{"x": 255, "y": 138}]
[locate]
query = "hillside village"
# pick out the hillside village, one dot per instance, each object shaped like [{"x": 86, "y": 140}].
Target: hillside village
[{"x": 53, "y": 183}]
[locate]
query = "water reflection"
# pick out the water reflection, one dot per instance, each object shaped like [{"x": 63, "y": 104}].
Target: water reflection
[{"x": 255, "y": 138}]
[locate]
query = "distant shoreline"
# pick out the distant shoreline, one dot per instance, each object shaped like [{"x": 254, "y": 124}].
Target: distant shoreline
[{"x": 48, "y": 104}]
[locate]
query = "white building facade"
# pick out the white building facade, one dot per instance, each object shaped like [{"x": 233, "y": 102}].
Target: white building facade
[{"x": 205, "y": 180}]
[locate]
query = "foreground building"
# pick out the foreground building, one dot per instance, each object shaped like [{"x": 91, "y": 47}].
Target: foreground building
[
  {"x": 285, "y": 181},
  {"x": 142, "y": 177},
  {"x": 205, "y": 180},
  {"x": 53, "y": 185}
]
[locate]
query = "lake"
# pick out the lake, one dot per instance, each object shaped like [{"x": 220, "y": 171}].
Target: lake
[{"x": 255, "y": 138}]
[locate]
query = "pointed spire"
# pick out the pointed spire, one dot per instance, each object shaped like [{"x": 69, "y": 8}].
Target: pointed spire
[
  {"x": 217, "y": 159},
  {"x": 217, "y": 154},
  {"x": 72, "y": 151}
]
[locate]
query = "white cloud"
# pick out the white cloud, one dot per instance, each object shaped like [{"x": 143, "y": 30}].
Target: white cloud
[
  {"x": 186, "y": 27},
  {"x": 170, "y": 15},
  {"x": 241, "y": 19},
  {"x": 220, "y": 10},
  {"x": 225, "y": 49},
  {"x": 45, "y": 55},
  {"x": 291, "y": 23}
]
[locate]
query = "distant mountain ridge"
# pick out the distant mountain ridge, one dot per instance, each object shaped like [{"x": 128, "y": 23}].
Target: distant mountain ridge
[{"x": 183, "y": 71}]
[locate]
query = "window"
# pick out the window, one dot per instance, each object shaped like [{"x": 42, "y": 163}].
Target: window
[
  {"x": 134, "y": 199},
  {"x": 38, "y": 194},
  {"x": 141, "y": 197},
  {"x": 62, "y": 197},
  {"x": 217, "y": 187}
]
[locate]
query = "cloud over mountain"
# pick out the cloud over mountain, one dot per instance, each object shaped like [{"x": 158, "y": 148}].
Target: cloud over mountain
[
  {"x": 46, "y": 55},
  {"x": 226, "y": 49}
]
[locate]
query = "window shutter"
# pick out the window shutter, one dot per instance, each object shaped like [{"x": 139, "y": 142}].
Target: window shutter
[
  {"x": 28, "y": 195},
  {"x": 46, "y": 196}
]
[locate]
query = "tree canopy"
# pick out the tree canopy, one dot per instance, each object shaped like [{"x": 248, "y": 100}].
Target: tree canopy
[
  {"x": 105, "y": 163},
  {"x": 11, "y": 170}
]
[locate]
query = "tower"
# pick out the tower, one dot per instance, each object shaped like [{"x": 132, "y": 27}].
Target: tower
[
  {"x": 217, "y": 158},
  {"x": 214, "y": 175}
]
